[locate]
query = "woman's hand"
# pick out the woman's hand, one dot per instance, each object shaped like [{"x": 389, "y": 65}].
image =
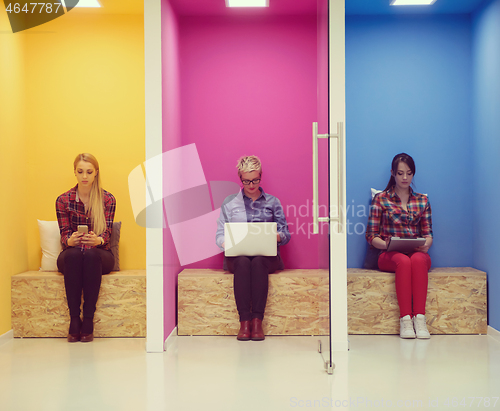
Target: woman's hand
[
  {"x": 91, "y": 239},
  {"x": 377, "y": 242},
  {"x": 75, "y": 239},
  {"x": 425, "y": 248}
]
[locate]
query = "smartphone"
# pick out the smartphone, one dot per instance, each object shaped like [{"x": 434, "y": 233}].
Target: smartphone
[{"x": 83, "y": 229}]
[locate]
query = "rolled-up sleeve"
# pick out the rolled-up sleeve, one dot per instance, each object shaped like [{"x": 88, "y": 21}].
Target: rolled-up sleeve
[
  {"x": 281, "y": 223},
  {"x": 373, "y": 226},
  {"x": 109, "y": 214},
  {"x": 63, "y": 220},
  {"x": 219, "y": 235},
  {"x": 426, "y": 221}
]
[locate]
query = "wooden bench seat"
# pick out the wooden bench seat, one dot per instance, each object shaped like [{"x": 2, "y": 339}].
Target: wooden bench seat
[
  {"x": 298, "y": 302},
  {"x": 39, "y": 307},
  {"x": 456, "y": 301}
]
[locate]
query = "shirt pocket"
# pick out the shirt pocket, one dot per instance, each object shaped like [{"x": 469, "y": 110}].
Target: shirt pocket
[
  {"x": 414, "y": 218},
  {"x": 261, "y": 215},
  {"x": 267, "y": 214},
  {"x": 238, "y": 215},
  {"x": 394, "y": 216}
]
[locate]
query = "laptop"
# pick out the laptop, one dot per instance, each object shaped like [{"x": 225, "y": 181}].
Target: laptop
[
  {"x": 250, "y": 239},
  {"x": 405, "y": 245}
]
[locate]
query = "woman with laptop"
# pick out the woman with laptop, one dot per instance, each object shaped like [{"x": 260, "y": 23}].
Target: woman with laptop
[
  {"x": 85, "y": 215},
  {"x": 251, "y": 205},
  {"x": 398, "y": 211}
]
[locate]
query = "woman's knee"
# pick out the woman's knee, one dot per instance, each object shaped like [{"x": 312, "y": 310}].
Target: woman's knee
[
  {"x": 72, "y": 254},
  {"x": 71, "y": 257},
  {"x": 262, "y": 265},
  {"x": 242, "y": 262},
  {"x": 92, "y": 254},
  {"x": 392, "y": 261},
  {"x": 421, "y": 259},
  {"x": 259, "y": 261},
  {"x": 92, "y": 262},
  {"x": 242, "y": 259}
]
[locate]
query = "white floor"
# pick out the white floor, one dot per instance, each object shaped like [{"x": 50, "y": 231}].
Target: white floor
[{"x": 220, "y": 373}]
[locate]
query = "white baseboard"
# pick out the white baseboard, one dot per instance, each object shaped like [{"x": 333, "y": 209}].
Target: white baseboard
[
  {"x": 171, "y": 339},
  {"x": 495, "y": 334},
  {"x": 8, "y": 336}
]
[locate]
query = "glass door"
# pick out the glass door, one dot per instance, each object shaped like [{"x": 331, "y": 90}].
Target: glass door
[
  {"x": 321, "y": 178},
  {"x": 251, "y": 82},
  {"x": 337, "y": 190},
  {"x": 329, "y": 175}
]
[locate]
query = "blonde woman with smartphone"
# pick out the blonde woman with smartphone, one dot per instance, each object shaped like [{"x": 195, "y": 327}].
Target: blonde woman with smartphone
[{"x": 85, "y": 215}]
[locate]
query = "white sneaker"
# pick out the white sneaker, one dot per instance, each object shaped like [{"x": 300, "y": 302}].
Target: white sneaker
[
  {"x": 421, "y": 326},
  {"x": 406, "y": 327}
]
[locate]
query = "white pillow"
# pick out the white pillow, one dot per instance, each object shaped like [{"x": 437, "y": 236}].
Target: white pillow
[
  {"x": 375, "y": 192},
  {"x": 50, "y": 241}
]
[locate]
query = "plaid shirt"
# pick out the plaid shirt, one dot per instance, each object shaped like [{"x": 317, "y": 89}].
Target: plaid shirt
[
  {"x": 71, "y": 213},
  {"x": 388, "y": 218}
]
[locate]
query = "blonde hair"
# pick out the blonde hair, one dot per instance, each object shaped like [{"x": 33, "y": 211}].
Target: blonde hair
[
  {"x": 247, "y": 164},
  {"x": 96, "y": 201}
]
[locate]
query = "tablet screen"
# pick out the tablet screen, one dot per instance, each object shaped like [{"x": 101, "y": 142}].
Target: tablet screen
[{"x": 405, "y": 245}]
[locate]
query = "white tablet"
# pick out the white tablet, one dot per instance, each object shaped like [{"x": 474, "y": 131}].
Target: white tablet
[
  {"x": 250, "y": 239},
  {"x": 405, "y": 245}
]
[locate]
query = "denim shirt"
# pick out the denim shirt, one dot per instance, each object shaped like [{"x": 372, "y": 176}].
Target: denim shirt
[{"x": 240, "y": 208}]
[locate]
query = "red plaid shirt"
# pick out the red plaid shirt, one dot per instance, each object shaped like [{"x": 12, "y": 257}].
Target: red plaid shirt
[
  {"x": 388, "y": 218},
  {"x": 71, "y": 213}
]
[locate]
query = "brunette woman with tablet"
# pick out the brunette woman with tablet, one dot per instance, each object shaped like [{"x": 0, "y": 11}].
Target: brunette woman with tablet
[{"x": 398, "y": 211}]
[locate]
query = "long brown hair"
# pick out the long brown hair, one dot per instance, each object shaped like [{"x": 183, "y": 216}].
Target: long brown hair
[
  {"x": 96, "y": 201},
  {"x": 398, "y": 158}
]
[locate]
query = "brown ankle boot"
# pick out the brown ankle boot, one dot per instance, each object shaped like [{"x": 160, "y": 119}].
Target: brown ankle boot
[
  {"x": 257, "y": 331},
  {"x": 245, "y": 331}
]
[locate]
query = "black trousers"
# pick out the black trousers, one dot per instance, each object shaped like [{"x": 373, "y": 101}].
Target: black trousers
[
  {"x": 82, "y": 271},
  {"x": 251, "y": 283}
]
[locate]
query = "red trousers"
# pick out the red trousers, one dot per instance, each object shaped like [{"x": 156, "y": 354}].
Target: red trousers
[{"x": 411, "y": 279}]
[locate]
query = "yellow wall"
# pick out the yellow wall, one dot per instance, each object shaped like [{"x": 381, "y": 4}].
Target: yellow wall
[
  {"x": 13, "y": 242},
  {"x": 75, "y": 84},
  {"x": 85, "y": 93}
]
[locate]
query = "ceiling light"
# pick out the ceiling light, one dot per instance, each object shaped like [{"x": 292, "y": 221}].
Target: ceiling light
[
  {"x": 412, "y": 2},
  {"x": 247, "y": 3},
  {"x": 88, "y": 3}
]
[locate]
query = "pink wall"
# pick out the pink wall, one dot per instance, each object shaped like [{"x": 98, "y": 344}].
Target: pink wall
[
  {"x": 249, "y": 86},
  {"x": 238, "y": 85},
  {"x": 171, "y": 140},
  {"x": 322, "y": 118}
]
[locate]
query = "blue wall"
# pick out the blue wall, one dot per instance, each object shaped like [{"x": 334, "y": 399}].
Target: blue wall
[
  {"x": 409, "y": 89},
  {"x": 486, "y": 177}
]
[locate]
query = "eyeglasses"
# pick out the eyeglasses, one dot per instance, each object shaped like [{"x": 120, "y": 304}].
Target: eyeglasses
[{"x": 247, "y": 182}]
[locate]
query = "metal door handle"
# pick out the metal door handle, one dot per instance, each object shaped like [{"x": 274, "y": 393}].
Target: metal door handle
[{"x": 339, "y": 136}]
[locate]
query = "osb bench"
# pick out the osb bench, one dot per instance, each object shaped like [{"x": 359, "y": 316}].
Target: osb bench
[
  {"x": 39, "y": 307},
  {"x": 456, "y": 301},
  {"x": 297, "y": 302}
]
